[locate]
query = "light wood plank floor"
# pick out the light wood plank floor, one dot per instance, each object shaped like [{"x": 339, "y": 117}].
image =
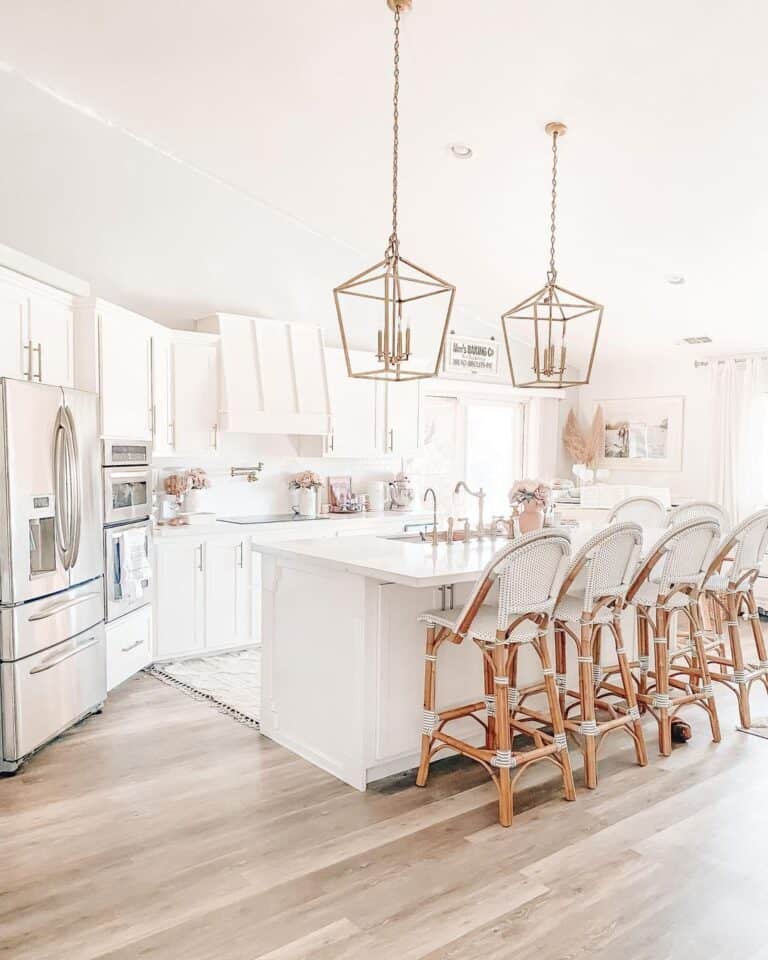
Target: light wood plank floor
[{"x": 162, "y": 829}]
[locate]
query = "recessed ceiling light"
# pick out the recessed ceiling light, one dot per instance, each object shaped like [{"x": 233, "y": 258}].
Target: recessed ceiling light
[
  {"x": 460, "y": 150},
  {"x": 676, "y": 279}
]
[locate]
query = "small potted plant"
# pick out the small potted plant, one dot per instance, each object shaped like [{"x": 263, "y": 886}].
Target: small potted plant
[
  {"x": 306, "y": 484},
  {"x": 530, "y": 498}
]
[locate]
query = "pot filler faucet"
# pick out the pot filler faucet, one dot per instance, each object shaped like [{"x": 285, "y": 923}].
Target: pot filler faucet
[{"x": 480, "y": 494}]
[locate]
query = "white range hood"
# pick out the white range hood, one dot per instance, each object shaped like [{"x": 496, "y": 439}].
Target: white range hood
[{"x": 274, "y": 376}]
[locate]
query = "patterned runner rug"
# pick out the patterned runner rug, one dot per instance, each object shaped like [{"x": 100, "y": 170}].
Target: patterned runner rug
[{"x": 231, "y": 682}]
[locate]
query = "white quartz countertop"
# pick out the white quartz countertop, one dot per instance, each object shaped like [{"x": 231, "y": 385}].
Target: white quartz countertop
[
  {"x": 411, "y": 564},
  {"x": 323, "y": 525}
]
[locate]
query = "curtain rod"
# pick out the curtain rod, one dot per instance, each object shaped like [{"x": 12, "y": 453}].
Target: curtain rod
[{"x": 706, "y": 363}]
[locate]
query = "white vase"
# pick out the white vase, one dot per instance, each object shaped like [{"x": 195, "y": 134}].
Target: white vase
[
  {"x": 307, "y": 502},
  {"x": 295, "y": 495},
  {"x": 194, "y": 501}
]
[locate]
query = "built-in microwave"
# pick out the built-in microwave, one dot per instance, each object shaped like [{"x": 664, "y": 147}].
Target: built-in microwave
[{"x": 127, "y": 480}]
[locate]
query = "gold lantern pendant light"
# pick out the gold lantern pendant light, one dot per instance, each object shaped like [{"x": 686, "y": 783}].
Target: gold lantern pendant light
[
  {"x": 563, "y": 350},
  {"x": 394, "y": 307}
]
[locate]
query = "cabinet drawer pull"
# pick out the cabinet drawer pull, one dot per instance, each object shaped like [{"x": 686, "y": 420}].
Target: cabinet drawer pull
[
  {"x": 391, "y": 439},
  {"x": 40, "y": 362},
  {"x": 59, "y": 607},
  {"x": 200, "y": 561},
  {"x": 132, "y": 646}
]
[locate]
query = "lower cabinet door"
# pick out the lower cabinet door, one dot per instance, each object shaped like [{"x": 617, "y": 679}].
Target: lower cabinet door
[
  {"x": 129, "y": 645},
  {"x": 179, "y": 597},
  {"x": 227, "y": 593}
]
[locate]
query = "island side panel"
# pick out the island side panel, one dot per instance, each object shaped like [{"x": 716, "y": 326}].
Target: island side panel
[
  {"x": 313, "y": 665},
  {"x": 396, "y": 675}
]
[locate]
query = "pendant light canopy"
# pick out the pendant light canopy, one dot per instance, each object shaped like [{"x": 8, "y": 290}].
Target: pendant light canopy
[
  {"x": 566, "y": 325},
  {"x": 394, "y": 308}
]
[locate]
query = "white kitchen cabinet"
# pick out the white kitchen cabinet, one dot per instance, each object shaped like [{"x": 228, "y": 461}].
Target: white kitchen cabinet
[
  {"x": 226, "y": 565},
  {"x": 129, "y": 645},
  {"x": 36, "y": 331},
  {"x": 126, "y": 376},
  {"x": 356, "y": 411},
  {"x": 203, "y": 593},
  {"x": 162, "y": 427},
  {"x": 14, "y": 342},
  {"x": 194, "y": 393},
  {"x": 179, "y": 597},
  {"x": 51, "y": 330},
  {"x": 402, "y": 418},
  {"x": 114, "y": 359},
  {"x": 274, "y": 376}
]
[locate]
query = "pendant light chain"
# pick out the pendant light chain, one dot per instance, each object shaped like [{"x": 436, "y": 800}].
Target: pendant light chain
[
  {"x": 392, "y": 249},
  {"x": 552, "y": 275}
]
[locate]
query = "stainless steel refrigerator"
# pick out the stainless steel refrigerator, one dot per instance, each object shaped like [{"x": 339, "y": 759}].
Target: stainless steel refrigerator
[{"x": 52, "y": 647}]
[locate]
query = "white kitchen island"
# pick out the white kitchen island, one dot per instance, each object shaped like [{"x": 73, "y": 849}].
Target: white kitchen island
[{"x": 343, "y": 652}]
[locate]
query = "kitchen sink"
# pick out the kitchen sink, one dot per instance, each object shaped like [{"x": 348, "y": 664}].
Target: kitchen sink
[{"x": 442, "y": 537}]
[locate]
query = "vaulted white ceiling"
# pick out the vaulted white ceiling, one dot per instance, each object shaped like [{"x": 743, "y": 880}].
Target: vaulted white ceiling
[{"x": 276, "y": 121}]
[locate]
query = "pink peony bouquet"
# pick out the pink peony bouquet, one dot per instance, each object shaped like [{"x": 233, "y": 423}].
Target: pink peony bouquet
[
  {"x": 531, "y": 491},
  {"x": 178, "y": 485},
  {"x": 305, "y": 481},
  {"x": 198, "y": 479}
]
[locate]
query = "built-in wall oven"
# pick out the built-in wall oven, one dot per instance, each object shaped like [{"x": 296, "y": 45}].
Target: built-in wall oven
[
  {"x": 128, "y": 580},
  {"x": 127, "y": 567}
]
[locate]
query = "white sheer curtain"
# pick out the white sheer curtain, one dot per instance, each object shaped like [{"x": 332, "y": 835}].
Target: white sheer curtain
[{"x": 737, "y": 391}]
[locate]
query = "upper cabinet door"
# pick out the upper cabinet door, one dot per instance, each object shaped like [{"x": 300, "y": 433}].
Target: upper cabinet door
[
  {"x": 402, "y": 426},
  {"x": 51, "y": 330},
  {"x": 126, "y": 376},
  {"x": 162, "y": 426},
  {"x": 195, "y": 394},
  {"x": 14, "y": 341},
  {"x": 355, "y": 414}
]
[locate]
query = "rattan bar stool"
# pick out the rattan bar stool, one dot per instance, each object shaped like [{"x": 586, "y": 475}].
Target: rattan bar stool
[
  {"x": 590, "y": 604},
  {"x": 670, "y": 581},
  {"x": 529, "y": 571},
  {"x": 647, "y": 511},
  {"x": 729, "y": 589}
]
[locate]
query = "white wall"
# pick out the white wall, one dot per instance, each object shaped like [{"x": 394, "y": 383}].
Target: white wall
[{"x": 660, "y": 376}]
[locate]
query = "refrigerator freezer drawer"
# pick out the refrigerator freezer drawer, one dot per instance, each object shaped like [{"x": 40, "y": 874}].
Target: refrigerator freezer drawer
[
  {"x": 43, "y": 694},
  {"x": 39, "y": 624}
]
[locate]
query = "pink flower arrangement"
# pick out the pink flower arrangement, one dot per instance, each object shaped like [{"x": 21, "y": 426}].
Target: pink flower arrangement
[
  {"x": 198, "y": 479},
  {"x": 177, "y": 485},
  {"x": 531, "y": 491},
  {"x": 306, "y": 481}
]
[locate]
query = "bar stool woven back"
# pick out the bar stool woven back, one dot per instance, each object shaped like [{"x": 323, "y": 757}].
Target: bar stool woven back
[
  {"x": 647, "y": 511},
  {"x": 697, "y": 509}
]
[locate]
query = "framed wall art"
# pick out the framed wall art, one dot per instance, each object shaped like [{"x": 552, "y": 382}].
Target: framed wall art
[{"x": 642, "y": 433}]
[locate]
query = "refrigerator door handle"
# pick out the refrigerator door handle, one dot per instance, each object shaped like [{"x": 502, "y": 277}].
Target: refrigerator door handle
[
  {"x": 62, "y": 521},
  {"x": 77, "y": 488}
]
